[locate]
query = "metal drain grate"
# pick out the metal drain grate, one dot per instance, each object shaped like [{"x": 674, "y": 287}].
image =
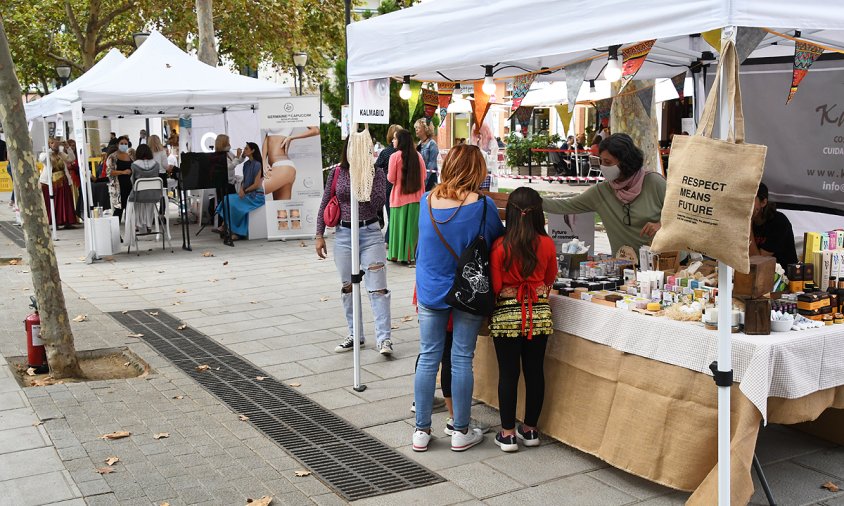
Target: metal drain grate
[
  {"x": 13, "y": 232},
  {"x": 352, "y": 462}
]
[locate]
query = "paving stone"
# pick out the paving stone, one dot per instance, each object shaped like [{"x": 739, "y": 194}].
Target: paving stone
[
  {"x": 102, "y": 500},
  {"x": 792, "y": 484},
  {"x": 829, "y": 461},
  {"x": 480, "y": 480},
  {"x": 328, "y": 500},
  {"x": 385, "y": 389},
  {"x": 630, "y": 484},
  {"x": 378, "y": 412},
  {"x": 578, "y": 489},
  {"x": 29, "y": 463},
  {"x": 336, "y": 398},
  {"x": 11, "y": 400},
  {"x": 16, "y": 418},
  {"x": 671, "y": 499},
  {"x": 536, "y": 465},
  {"x": 22, "y": 438},
  {"x": 93, "y": 487},
  {"x": 435, "y": 495},
  {"x": 274, "y": 357},
  {"x": 776, "y": 443},
  {"x": 37, "y": 489}
]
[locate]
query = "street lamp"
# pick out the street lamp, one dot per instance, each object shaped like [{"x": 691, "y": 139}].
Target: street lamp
[
  {"x": 63, "y": 71},
  {"x": 140, "y": 38},
  {"x": 299, "y": 60}
]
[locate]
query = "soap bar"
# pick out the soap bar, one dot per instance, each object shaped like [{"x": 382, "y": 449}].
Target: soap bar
[{"x": 654, "y": 306}]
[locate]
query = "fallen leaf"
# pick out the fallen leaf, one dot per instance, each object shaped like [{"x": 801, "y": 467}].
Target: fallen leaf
[
  {"x": 36, "y": 424},
  {"x": 832, "y": 487},
  {"x": 14, "y": 261},
  {"x": 109, "y": 259},
  {"x": 217, "y": 369},
  {"x": 213, "y": 280},
  {"x": 243, "y": 418},
  {"x": 253, "y": 301},
  {"x": 207, "y": 254},
  {"x": 124, "y": 312},
  {"x": 181, "y": 290},
  {"x": 81, "y": 259},
  {"x": 394, "y": 326},
  {"x": 127, "y": 364},
  {"x": 177, "y": 303},
  {"x": 112, "y": 460},
  {"x": 182, "y": 326},
  {"x": 164, "y": 504},
  {"x": 226, "y": 262},
  {"x": 135, "y": 335},
  {"x": 203, "y": 367},
  {"x": 295, "y": 384},
  {"x": 161, "y": 272},
  {"x": 264, "y": 501},
  {"x": 81, "y": 318},
  {"x": 408, "y": 318},
  {"x": 27, "y": 272},
  {"x": 161, "y": 435},
  {"x": 179, "y": 397},
  {"x": 83, "y": 298},
  {"x": 261, "y": 378},
  {"x": 105, "y": 470},
  {"x": 323, "y": 299},
  {"x": 302, "y": 244},
  {"x": 153, "y": 313},
  {"x": 300, "y": 474},
  {"x": 30, "y": 371},
  {"x": 116, "y": 435},
  {"x": 125, "y": 287}
]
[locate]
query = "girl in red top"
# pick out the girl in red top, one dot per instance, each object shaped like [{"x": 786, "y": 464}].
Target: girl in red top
[{"x": 523, "y": 265}]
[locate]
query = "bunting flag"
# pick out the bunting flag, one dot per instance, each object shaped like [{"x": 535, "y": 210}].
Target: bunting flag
[
  {"x": 523, "y": 115},
  {"x": 747, "y": 40},
  {"x": 713, "y": 38},
  {"x": 413, "y": 101},
  {"x": 480, "y": 106},
  {"x": 679, "y": 82},
  {"x": 444, "y": 91},
  {"x": 430, "y": 101},
  {"x": 565, "y": 117},
  {"x": 575, "y": 74},
  {"x": 603, "y": 108},
  {"x": 646, "y": 96},
  {"x": 521, "y": 86},
  {"x": 805, "y": 54},
  {"x": 634, "y": 58}
]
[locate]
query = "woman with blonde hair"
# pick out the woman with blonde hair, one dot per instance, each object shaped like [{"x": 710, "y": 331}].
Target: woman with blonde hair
[
  {"x": 159, "y": 154},
  {"x": 222, "y": 144},
  {"x": 452, "y": 213},
  {"x": 407, "y": 173},
  {"x": 428, "y": 149}
]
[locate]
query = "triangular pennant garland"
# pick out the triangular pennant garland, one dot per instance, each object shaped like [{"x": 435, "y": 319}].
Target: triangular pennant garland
[
  {"x": 634, "y": 58},
  {"x": 646, "y": 96},
  {"x": 413, "y": 101},
  {"x": 805, "y": 54},
  {"x": 430, "y": 101},
  {"x": 679, "y": 82},
  {"x": 747, "y": 40},
  {"x": 565, "y": 117},
  {"x": 713, "y": 38},
  {"x": 523, "y": 115},
  {"x": 480, "y": 105},
  {"x": 444, "y": 91},
  {"x": 603, "y": 108},
  {"x": 575, "y": 73},
  {"x": 521, "y": 86}
]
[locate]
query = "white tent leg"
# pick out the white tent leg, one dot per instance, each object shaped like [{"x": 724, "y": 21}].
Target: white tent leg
[
  {"x": 357, "y": 277},
  {"x": 49, "y": 166}
]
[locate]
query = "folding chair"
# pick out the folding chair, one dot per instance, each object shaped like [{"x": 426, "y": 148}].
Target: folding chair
[
  {"x": 144, "y": 213},
  {"x": 594, "y": 166}
]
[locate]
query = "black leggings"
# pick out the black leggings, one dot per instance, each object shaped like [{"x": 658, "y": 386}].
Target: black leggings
[
  {"x": 532, "y": 354},
  {"x": 445, "y": 373}
]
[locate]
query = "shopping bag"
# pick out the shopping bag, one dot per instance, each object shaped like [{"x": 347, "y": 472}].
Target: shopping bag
[{"x": 712, "y": 183}]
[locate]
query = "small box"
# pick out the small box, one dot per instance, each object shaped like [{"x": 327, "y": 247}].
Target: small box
[
  {"x": 760, "y": 279},
  {"x": 757, "y": 317}
]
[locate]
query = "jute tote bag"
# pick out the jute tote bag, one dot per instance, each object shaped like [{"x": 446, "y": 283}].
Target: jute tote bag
[{"x": 712, "y": 183}]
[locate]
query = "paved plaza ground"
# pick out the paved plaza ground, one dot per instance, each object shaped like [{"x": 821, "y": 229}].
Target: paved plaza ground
[{"x": 278, "y": 306}]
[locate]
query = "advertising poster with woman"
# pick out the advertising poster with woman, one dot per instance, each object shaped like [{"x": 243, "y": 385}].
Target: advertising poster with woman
[{"x": 290, "y": 144}]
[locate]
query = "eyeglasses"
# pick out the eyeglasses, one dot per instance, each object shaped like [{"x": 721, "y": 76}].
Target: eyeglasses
[{"x": 627, "y": 220}]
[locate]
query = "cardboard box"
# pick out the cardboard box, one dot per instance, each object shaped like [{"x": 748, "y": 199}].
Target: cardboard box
[{"x": 760, "y": 279}]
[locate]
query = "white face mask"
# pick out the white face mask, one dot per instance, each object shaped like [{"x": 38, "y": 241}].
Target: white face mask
[
  {"x": 123, "y": 148},
  {"x": 61, "y": 149},
  {"x": 610, "y": 172}
]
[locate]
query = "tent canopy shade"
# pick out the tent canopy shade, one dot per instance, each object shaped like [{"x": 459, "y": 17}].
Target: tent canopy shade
[{"x": 548, "y": 33}]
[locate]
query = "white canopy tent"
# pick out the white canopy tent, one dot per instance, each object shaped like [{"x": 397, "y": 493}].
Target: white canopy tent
[{"x": 536, "y": 35}]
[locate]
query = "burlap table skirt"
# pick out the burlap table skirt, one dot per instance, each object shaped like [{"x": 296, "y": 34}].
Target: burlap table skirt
[{"x": 651, "y": 419}]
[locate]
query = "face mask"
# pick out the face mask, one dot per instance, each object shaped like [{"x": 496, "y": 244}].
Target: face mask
[
  {"x": 610, "y": 172},
  {"x": 124, "y": 148},
  {"x": 61, "y": 149},
  {"x": 228, "y": 148}
]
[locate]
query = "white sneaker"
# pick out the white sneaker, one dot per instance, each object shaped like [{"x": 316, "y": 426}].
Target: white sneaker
[
  {"x": 421, "y": 440},
  {"x": 461, "y": 442},
  {"x": 347, "y": 344},
  {"x": 386, "y": 347}
]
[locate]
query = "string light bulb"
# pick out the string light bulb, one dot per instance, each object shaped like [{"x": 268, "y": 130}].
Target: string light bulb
[
  {"x": 489, "y": 84},
  {"x": 405, "y": 92},
  {"x": 612, "y": 72},
  {"x": 592, "y": 88}
]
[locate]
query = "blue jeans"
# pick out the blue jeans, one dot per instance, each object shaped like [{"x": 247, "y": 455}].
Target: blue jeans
[
  {"x": 373, "y": 260},
  {"x": 9, "y": 170},
  {"x": 432, "y": 328}
]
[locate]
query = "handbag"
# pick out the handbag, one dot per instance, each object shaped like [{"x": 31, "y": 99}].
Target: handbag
[
  {"x": 712, "y": 183},
  {"x": 331, "y": 213},
  {"x": 471, "y": 290}
]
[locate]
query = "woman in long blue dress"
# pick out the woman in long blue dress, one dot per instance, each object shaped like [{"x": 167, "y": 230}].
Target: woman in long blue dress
[{"x": 249, "y": 197}]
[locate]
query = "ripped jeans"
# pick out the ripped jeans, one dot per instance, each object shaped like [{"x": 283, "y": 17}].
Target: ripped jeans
[{"x": 373, "y": 259}]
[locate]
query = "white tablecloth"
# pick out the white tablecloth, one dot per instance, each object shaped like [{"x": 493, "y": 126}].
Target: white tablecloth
[{"x": 784, "y": 364}]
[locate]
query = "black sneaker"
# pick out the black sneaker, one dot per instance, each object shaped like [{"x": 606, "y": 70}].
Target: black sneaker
[
  {"x": 347, "y": 344},
  {"x": 507, "y": 443},
  {"x": 529, "y": 437}
]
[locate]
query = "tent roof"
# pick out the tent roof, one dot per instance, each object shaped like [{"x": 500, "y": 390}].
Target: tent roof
[
  {"x": 160, "y": 79},
  {"x": 59, "y": 100},
  {"x": 439, "y": 40}
]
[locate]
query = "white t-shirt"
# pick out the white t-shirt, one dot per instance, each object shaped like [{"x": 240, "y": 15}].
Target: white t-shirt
[{"x": 161, "y": 158}]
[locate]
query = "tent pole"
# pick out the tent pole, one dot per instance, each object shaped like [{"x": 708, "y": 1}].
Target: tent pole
[
  {"x": 724, "y": 365},
  {"x": 357, "y": 277},
  {"x": 49, "y": 164},
  {"x": 84, "y": 181}
]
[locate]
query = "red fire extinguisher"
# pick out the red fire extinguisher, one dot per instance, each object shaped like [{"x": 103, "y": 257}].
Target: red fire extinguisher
[{"x": 35, "y": 352}]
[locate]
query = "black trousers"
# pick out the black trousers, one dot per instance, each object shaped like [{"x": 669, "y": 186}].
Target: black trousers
[
  {"x": 531, "y": 353},
  {"x": 445, "y": 369}
]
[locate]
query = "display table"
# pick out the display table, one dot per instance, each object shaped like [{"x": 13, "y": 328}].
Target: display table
[{"x": 635, "y": 391}]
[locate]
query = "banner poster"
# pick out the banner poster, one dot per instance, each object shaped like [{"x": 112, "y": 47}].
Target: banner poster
[
  {"x": 805, "y": 54},
  {"x": 521, "y": 86},
  {"x": 413, "y": 101},
  {"x": 290, "y": 145},
  {"x": 430, "y": 101},
  {"x": 603, "y": 109},
  {"x": 565, "y": 117},
  {"x": 679, "y": 82},
  {"x": 646, "y": 97},
  {"x": 444, "y": 91},
  {"x": 371, "y": 100},
  {"x": 565, "y": 228},
  {"x": 634, "y": 57}
]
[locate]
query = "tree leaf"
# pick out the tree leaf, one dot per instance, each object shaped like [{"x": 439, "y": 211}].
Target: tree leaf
[
  {"x": 226, "y": 262},
  {"x": 323, "y": 299},
  {"x": 302, "y": 244},
  {"x": 81, "y": 318},
  {"x": 243, "y": 418},
  {"x": 179, "y": 397},
  {"x": 135, "y": 335},
  {"x": 30, "y": 371},
  {"x": 264, "y": 501},
  {"x": 153, "y": 313},
  {"x": 295, "y": 384},
  {"x": 112, "y": 460},
  {"x": 161, "y": 435},
  {"x": 14, "y": 261},
  {"x": 116, "y": 435},
  {"x": 408, "y": 318},
  {"x": 181, "y": 290},
  {"x": 253, "y": 301},
  {"x": 832, "y": 487},
  {"x": 203, "y": 367},
  {"x": 261, "y": 378},
  {"x": 301, "y": 474},
  {"x": 127, "y": 364},
  {"x": 394, "y": 326},
  {"x": 124, "y": 312},
  {"x": 36, "y": 424},
  {"x": 207, "y": 254},
  {"x": 105, "y": 470},
  {"x": 182, "y": 326}
]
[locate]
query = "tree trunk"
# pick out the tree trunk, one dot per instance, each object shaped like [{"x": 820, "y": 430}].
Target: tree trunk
[
  {"x": 205, "y": 23},
  {"x": 55, "y": 329}
]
